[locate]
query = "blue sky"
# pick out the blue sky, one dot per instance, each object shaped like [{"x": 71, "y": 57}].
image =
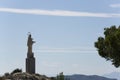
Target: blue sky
[{"x": 64, "y": 31}]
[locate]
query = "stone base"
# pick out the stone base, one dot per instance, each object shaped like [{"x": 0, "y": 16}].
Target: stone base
[{"x": 30, "y": 65}]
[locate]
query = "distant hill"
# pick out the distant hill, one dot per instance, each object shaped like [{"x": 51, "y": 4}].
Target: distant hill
[
  {"x": 84, "y": 77},
  {"x": 113, "y": 75}
]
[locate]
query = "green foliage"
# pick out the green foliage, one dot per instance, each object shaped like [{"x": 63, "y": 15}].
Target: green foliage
[
  {"x": 60, "y": 76},
  {"x": 16, "y": 71},
  {"x": 109, "y": 46}
]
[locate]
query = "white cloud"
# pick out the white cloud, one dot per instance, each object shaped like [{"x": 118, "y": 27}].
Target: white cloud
[
  {"x": 115, "y": 5},
  {"x": 58, "y": 13},
  {"x": 67, "y": 50},
  {"x": 51, "y": 64},
  {"x": 75, "y": 65}
]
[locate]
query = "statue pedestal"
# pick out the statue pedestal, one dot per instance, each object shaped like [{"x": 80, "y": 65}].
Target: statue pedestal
[{"x": 30, "y": 65}]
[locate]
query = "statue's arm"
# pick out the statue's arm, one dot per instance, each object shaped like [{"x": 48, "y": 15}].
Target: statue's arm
[{"x": 33, "y": 41}]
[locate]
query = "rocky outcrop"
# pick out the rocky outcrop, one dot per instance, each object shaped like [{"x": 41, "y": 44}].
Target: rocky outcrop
[{"x": 26, "y": 76}]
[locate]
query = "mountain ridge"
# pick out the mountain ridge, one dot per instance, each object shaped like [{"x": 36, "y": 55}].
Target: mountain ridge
[
  {"x": 86, "y": 77},
  {"x": 113, "y": 75}
]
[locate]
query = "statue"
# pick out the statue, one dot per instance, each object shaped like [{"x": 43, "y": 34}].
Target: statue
[
  {"x": 29, "y": 44},
  {"x": 30, "y": 60}
]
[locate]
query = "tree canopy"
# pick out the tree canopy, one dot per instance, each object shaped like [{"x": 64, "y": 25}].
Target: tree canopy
[
  {"x": 16, "y": 71},
  {"x": 60, "y": 76},
  {"x": 109, "y": 46}
]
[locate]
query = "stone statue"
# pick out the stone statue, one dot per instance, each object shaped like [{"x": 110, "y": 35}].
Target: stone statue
[
  {"x": 30, "y": 43},
  {"x": 30, "y": 60}
]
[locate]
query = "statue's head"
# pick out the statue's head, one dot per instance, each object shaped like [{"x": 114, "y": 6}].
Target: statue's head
[{"x": 29, "y": 34}]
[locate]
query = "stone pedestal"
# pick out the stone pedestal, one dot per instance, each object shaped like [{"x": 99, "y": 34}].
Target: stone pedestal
[{"x": 30, "y": 64}]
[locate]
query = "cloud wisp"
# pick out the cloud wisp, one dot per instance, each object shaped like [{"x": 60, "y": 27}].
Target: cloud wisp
[
  {"x": 66, "y": 50},
  {"x": 58, "y": 13},
  {"x": 50, "y": 64},
  {"x": 115, "y": 5}
]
